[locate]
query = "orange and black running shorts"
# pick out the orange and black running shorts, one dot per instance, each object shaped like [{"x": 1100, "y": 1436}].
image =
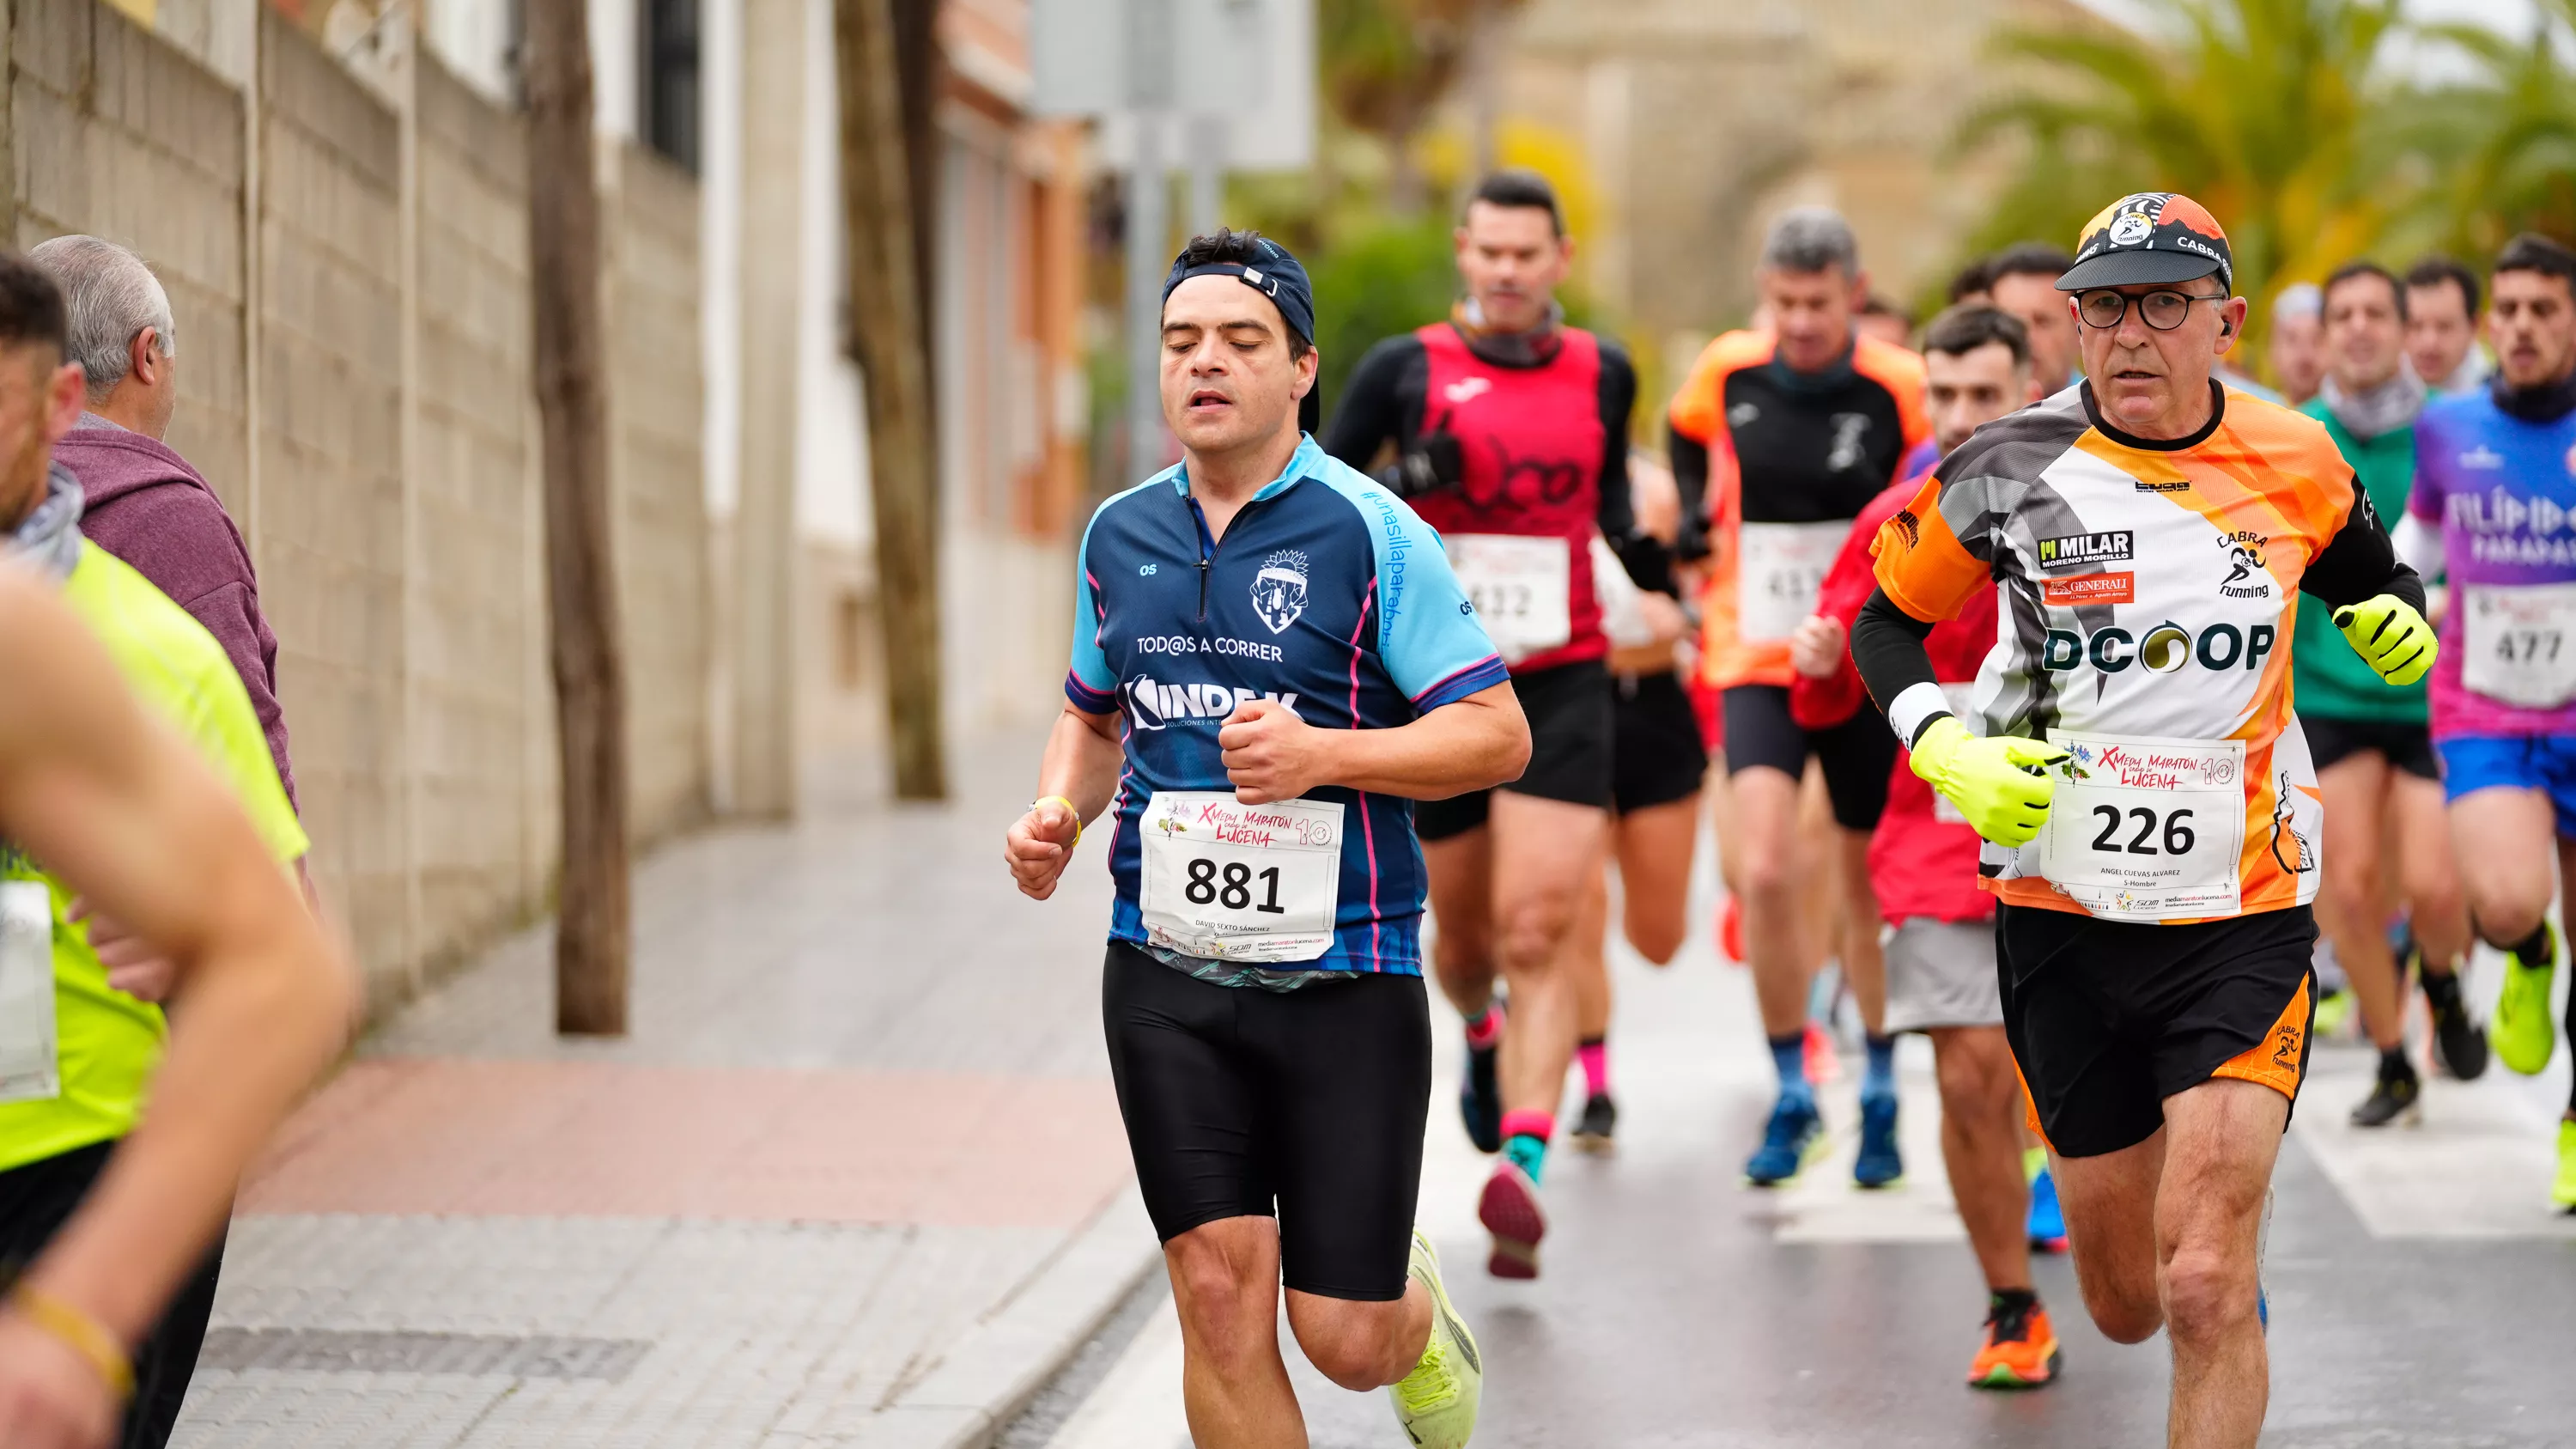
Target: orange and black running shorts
[{"x": 2109, "y": 1018}]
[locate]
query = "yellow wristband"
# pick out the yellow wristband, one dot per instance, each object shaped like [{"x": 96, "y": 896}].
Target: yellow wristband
[
  {"x": 80, "y": 1333},
  {"x": 1069, "y": 808}
]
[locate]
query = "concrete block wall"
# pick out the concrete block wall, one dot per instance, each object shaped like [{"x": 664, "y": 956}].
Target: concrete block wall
[
  {"x": 482, "y": 752},
  {"x": 663, "y": 544},
  {"x": 391, "y": 490},
  {"x": 117, "y": 134},
  {"x": 330, "y": 538}
]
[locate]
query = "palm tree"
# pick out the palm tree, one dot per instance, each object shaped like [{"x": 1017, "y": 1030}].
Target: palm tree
[
  {"x": 2260, "y": 110},
  {"x": 2494, "y": 154}
]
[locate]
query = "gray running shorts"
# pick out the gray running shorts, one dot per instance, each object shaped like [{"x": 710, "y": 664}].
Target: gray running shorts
[{"x": 1942, "y": 973}]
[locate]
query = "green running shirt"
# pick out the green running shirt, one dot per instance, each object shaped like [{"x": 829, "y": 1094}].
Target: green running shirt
[{"x": 2332, "y": 681}]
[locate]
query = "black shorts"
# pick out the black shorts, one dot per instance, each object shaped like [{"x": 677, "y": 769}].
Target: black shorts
[
  {"x": 1856, "y": 754},
  {"x": 2109, "y": 1018},
  {"x": 1658, "y": 756},
  {"x": 1242, "y": 1102},
  {"x": 1570, "y": 727},
  {"x": 2407, "y": 747},
  {"x": 35, "y": 1201}
]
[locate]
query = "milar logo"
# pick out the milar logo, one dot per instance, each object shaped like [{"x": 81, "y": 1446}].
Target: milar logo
[
  {"x": 2245, "y": 560},
  {"x": 2083, "y": 550}
]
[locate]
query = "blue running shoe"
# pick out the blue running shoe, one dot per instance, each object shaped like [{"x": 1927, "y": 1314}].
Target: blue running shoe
[
  {"x": 1879, "y": 1162},
  {"x": 1480, "y": 1099},
  {"x": 2047, "y": 1224},
  {"x": 1795, "y": 1132}
]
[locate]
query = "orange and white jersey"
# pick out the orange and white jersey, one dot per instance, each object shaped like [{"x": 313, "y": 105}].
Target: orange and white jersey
[{"x": 2150, "y": 593}]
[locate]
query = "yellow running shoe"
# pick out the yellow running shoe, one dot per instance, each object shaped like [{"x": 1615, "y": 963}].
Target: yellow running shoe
[
  {"x": 2563, "y": 1191},
  {"x": 2523, "y": 1034},
  {"x": 1436, "y": 1403}
]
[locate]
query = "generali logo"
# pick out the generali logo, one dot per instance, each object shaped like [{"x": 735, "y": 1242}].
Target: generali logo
[{"x": 2119, "y": 588}]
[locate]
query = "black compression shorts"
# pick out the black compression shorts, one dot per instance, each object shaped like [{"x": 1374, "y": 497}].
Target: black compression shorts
[
  {"x": 2109, "y": 1018},
  {"x": 1658, "y": 757},
  {"x": 1310, "y": 1104},
  {"x": 35, "y": 1201},
  {"x": 1570, "y": 725},
  {"x": 1856, "y": 754},
  {"x": 2407, "y": 747}
]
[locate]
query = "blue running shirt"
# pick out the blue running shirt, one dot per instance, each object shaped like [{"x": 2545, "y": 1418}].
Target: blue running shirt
[{"x": 1327, "y": 594}]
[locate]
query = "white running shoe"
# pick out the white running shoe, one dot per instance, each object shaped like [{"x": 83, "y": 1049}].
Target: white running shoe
[{"x": 1436, "y": 1403}]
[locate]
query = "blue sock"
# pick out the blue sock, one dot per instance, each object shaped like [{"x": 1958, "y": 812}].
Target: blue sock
[
  {"x": 1789, "y": 1055},
  {"x": 1879, "y": 1079},
  {"x": 1528, "y": 1153}
]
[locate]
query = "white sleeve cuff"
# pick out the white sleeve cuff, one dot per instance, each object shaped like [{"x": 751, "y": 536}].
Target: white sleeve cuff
[
  {"x": 1910, "y": 711},
  {"x": 2419, "y": 546}
]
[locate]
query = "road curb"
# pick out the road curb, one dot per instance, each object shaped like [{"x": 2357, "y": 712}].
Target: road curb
[{"x": 983, "y": 1382}]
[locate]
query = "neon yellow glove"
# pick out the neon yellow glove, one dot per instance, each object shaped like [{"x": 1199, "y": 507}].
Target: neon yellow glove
[
  {"x": 2390, "y": 637},
  {"x": 2001, "y": 785}
]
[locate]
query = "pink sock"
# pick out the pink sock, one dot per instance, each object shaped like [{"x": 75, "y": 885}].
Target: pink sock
[
  {"x": 1541, "y": 1125},
  {"x": 1595, "y": 1056},
  {"x": 1485, "y": 1028}
]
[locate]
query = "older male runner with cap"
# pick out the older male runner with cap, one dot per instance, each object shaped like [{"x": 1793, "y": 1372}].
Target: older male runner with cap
[
  {"x": 1296, "y": 666},
  {"x": 2151, "y": 812}
]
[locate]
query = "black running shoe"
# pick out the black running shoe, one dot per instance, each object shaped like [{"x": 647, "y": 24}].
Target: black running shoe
[
  {"x": 1600, "y": 1120},
  {"x": 1480, "y": 1099},
  {"x": 2456, "y": 1035},
  {"x": 2396, "y": 1096}
]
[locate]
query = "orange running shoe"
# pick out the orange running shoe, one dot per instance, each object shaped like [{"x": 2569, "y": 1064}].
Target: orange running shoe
[{"x": 2020, "y": 1351}]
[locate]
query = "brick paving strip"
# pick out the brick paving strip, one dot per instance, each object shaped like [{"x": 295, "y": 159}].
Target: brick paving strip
[{"x": 856, "y": 1179}]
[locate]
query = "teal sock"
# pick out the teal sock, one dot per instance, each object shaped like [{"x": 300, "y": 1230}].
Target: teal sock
[
  {"x": 1528, "y": 1153},
  {"x": 1789, "y": 1058},
  {"x": 1878, "y": 1079}
]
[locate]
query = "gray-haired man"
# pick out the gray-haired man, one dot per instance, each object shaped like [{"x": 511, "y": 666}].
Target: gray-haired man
[{"x": 142, "y": 501}]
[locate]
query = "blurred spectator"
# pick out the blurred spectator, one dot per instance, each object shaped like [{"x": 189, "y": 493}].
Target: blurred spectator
[
  {"x": 1889, "y": 323},
  {"x": 1970, "y": 286},
  {"x": 2442, "y": 326},
  {"x": 142, "y": 501},
  {"x": 2297, "y": 354},
  {"x": 2023, "y": 282}
]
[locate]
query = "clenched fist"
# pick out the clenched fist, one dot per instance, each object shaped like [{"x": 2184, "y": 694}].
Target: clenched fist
[
  {"x": 1040, "y": 845},
  {"x": 1271, "y": 754}
]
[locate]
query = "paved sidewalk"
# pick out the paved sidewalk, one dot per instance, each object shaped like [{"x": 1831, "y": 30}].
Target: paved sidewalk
[{"x": 856, "y": 1178}]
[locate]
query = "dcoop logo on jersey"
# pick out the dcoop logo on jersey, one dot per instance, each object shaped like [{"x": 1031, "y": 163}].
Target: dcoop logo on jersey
[{"x": 2164, "y": 649}]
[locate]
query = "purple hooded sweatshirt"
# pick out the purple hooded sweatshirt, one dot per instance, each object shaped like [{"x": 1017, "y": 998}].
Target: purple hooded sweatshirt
[{"x": 145, "y": 505}]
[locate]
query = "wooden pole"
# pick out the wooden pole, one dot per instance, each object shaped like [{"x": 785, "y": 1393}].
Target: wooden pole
[
  {"x": 591, "y": 938},
  {"x": 887, "y": 339}
]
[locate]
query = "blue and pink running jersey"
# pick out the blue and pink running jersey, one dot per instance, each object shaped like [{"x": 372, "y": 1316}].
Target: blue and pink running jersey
[{"x": 2503, "y": 490}]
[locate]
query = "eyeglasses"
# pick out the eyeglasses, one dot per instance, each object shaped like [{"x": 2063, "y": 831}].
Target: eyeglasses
[{"x": 2164, "y": 311}]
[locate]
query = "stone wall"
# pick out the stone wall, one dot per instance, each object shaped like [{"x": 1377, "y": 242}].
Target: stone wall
[
  {"x": 482, "y": 697},
  {"x": 662, "y": 543},
  {"x": 330, "y": 536},
  {"x": 116, "y": 133},
  {"x": 372, "y": 430}
]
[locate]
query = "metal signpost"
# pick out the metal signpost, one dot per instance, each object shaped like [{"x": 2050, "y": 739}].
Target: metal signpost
[{"x": 1236, "y": 78}]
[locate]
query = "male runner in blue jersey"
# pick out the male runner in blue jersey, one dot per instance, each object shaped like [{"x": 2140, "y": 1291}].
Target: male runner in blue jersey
[
  {"x": 2495, "y": 474},
  {"x": 1296, "y": 665}
]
